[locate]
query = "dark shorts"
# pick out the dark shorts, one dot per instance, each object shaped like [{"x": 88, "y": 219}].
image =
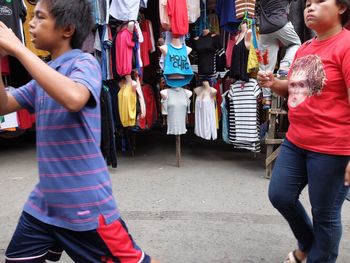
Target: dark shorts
[{"x": 35, "y": 241}]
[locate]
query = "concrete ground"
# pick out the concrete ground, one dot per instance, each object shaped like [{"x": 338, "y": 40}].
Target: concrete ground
[{"x": 212, "y": 209}]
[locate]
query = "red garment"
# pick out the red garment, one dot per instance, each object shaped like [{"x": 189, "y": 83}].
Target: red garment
[
  {"x": 230, "y": 45},
  {"x": 177, "y": 12},
  {"x": 5, "y": 67},
  {"x": 124, "y": 46},
  {"x": 151, "y": 107},
  {"x": 146, "y": 46},
  {"x": 321, "y": 123},
  {"x": 24, "y": 119}
]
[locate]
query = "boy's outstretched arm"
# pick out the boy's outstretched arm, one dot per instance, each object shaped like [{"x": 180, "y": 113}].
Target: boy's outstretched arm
[
  {"x": 71, "y": 95},
  {"x": 8, "y": 103}
]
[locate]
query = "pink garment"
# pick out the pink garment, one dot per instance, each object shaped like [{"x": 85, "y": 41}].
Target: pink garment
[
  {"x": 124, "y": 46},
  {"x": 177, "y": 12},
  {"x": 230, "y": 44}
]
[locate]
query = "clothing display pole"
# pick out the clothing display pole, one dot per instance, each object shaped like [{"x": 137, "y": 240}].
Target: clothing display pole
[{"x": 178, "y": 150}]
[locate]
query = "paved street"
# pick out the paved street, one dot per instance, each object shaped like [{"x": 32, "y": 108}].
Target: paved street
[{"x": 212, "y": 209}]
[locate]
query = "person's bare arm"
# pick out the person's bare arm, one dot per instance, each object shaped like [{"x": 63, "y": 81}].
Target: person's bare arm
[
  {"x": 71, "y": 95},
  {"x": 267, "y": 79}
]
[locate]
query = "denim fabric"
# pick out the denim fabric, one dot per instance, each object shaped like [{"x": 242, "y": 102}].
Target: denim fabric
[{"x": 324, "y": 174}]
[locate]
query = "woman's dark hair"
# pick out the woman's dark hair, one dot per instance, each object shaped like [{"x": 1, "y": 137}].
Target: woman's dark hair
[
  {"x": 345, "y": 17},
  {"x": 75, "y": 13}
]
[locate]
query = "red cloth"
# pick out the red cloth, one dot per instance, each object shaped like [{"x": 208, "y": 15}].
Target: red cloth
[
  {"x": 151, "y": 107},
  {"x": 230, "y": 45},
  {"x": 321, "y": 123},
  {"x": 5, "y": 67},
  {"x": 146, "y": 45},
  {"x": 25, "y": 120},
  {"x": 177, "y": 12},
  {"x": 124, "y": 46}
]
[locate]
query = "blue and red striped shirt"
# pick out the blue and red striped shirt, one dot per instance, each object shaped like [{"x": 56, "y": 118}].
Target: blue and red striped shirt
[{"x": 74, "y": 184}]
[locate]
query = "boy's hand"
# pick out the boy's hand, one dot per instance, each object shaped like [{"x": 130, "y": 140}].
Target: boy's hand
[
  {"x": 266, "y": 79},
  {"x": 347, "y": 175},
  {"x": 9, "y": 42}
]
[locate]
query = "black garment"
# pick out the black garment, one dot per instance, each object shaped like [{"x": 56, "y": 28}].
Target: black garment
[
  {"x": 114, "y": 88},
  {"x": 12, "y": 14},
  {"x": 272, "y": 15},
  {"x": 206, "y": 48},
  {"x": 108, "y": 141},
  {"x": 239, "y": 62}
]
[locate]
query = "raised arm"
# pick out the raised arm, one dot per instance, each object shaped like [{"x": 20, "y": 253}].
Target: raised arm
[{"x": 71, "y": 95}]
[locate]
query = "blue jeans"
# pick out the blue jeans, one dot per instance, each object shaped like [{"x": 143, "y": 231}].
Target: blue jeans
[{"x": 324, "y": 174}]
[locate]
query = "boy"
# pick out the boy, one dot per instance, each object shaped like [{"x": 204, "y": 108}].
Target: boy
[{"x": 72, "y": 208}]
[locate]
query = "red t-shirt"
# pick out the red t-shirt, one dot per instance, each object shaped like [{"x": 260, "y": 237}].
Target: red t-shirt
[{"x": 321, "y": 122}]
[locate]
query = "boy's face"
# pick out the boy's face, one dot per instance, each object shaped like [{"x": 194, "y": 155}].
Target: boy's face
[{"x": 42, "y": 29}]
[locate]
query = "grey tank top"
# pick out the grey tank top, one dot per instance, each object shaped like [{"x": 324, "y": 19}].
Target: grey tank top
[{"x": 177, "y": 106}]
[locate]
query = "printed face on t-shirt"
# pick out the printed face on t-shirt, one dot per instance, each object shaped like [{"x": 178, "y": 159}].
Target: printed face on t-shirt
[
  {"x": 297, "y": 89},
  {"x": 307, "y": 79}
]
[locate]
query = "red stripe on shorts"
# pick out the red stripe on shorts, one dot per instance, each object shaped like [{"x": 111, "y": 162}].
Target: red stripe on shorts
[{"x": 118, "y": 241}]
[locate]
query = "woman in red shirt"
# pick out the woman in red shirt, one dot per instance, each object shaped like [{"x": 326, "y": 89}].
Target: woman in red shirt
[{"x": 316, "y": 151}]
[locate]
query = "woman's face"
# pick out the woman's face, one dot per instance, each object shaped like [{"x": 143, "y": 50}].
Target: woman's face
[{"x": 322, "y": 15}]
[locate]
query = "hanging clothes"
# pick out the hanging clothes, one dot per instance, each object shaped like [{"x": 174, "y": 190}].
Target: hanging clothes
[
  {"x": 206, "y": 48},
  {"x": 226, "y": 11},
  {"x": 176, "y": 106},
  {"x": 205, "y": 119},
  {"x": 244, "y": 124},
  {"x": 13, "y": 14},
  {"x": 178, "y": 15},
  {"x": 225, "y": 118},
  {"x": 124, "y": 48},
  {"x": 125, "y": 10},
  {"x": 127, "y": 105},
  {"x": 108, "y": 139},
  {"x": 177, "y": 62},
  {"x": 239, "y": 61},
  {"x": 194, "y": 10},
  {"x": 245, "y": 8}
]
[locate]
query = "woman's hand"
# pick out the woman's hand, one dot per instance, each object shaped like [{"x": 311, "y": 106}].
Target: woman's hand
[
  {"x": 266, "y": 79},
  {"x": 347, "y": 175}
]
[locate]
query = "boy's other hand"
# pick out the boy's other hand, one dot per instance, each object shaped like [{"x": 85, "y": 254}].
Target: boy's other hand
[
  {"x": 9, "y": 42},
  {"x": 347, "y": 175}
]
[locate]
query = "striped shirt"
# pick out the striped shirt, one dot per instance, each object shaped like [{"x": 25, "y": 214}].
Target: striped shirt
[
  {"x": 74, "y": 184},
  {"x": 243, "y": 115}
]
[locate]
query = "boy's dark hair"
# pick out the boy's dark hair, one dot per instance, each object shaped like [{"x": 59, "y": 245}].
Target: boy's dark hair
[
  {"x": 77, "y": 13},
  {"x": 346, "y": 16}
]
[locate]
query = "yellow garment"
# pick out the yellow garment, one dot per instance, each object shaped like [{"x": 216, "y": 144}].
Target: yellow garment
[
  {"x": 30, "y": 14},
  {"x": 253, "y": 63},
  {"x": 127, "y": 105}
]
